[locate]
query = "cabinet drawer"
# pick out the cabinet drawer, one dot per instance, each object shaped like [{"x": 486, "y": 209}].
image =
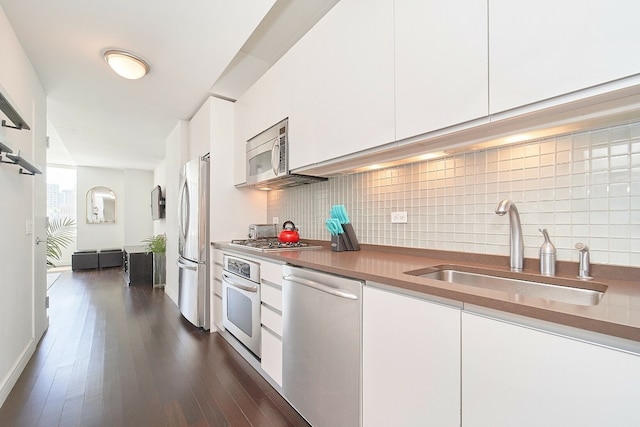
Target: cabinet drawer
[
  {"x": 217, "y": 271},
  {"x": 217, "y": 312},
  {"x": 271, "y": 295},
  {"x": 217, "y": 256},
  {"x": 271, "y": 272},
  {"x": 271, "y": 319},
  {"x": 271, "y": 361},
  {"x": 217, "y": 287}
]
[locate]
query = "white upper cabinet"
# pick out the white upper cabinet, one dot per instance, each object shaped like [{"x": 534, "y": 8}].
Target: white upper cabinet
[
  {"x": 342, "y": 87},
  {"x": 441, "y": 64},
  {"x": 542, "y": 49},
  {"x": 302, "y": 104},
  {"x": 262, "y": 106}
]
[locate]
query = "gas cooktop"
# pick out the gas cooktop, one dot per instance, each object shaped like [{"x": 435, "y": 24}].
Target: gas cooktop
[{"x": 272, "y": 245}]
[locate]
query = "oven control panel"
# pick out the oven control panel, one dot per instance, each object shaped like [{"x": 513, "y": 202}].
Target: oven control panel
[{"x": 243, "y": 268}]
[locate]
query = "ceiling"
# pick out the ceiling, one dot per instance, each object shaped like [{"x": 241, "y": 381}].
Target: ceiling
[{"x": 194, "y": 49}]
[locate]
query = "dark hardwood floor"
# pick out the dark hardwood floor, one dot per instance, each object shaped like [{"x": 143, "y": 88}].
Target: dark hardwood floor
[{"x": 124, "y": 356}]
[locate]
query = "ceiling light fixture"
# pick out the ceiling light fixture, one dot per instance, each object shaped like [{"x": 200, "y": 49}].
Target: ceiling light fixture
[{"x": 126, "y": 64}]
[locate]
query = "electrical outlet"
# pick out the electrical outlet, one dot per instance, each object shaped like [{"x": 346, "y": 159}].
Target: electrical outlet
[
  {"x": 398, "y": 217},
  {"x": 275, "y": 220}
]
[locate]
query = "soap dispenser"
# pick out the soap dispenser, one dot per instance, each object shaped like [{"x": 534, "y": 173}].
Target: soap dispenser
[{"x": 547, "y": 255}]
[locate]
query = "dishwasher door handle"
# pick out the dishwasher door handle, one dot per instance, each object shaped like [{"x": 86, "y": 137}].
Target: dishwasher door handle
[{"x": 323, "y": 288}]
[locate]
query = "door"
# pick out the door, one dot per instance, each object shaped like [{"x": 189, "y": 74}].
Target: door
[
  {"x": 188, "y": 215},
  {"x": 190, "y": 299},
  {"x": 241, "y": 310},
  {"x": 321, "y": 340},
  {"x": 513, "y": 375},
  {"x": 38, "y": 229}
]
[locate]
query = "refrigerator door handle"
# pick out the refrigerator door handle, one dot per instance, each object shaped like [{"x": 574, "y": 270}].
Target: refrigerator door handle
[
  {"x": 187, "y": 266},
  {"x": 321, "y": 287}
]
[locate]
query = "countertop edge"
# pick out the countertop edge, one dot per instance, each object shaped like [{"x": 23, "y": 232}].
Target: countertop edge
[{"x": 580, "y": 320}]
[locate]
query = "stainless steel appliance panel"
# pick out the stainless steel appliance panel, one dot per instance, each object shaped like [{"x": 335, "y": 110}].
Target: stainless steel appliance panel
[
  {"x": 322, "y": 335},
  {"x": 192, "y": 292},
  {"x": 241, "y": 301},
  {"x": 193, "y": 211},
  {"x": 262, "y": 231},
  {"x": 193, "y": 242},
  {"x": 267, "y": 154}
]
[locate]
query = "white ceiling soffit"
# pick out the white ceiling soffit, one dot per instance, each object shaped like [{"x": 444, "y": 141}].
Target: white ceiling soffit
[
  {"x": 103, "y": 119},
  {"x": 284, "y": 25}
]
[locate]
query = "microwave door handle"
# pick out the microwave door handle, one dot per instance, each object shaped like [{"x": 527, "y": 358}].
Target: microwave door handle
[{"x": 275, "y": 157}]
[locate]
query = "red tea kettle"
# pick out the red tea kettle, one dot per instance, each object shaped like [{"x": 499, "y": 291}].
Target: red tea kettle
[{"x": 289, "y": 233}]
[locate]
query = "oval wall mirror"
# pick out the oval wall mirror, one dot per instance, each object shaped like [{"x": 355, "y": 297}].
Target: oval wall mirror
[{"x": 101, "y": 206}]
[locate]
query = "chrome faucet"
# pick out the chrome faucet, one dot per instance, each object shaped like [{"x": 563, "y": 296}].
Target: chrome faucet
[
  {"x": 516, "y": 243},
  {"x": 583, "y": 268}
]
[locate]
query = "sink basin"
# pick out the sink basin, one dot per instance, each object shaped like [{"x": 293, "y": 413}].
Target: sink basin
[{"x": 569, "y": 291}]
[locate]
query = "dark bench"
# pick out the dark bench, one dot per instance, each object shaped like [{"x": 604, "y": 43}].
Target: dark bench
[
  {"x": 110, "y": 258},
  {"x": 84, "y": 260}
]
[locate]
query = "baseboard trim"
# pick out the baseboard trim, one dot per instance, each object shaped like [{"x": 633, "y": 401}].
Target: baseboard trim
[{"x": 12, "y": 377}]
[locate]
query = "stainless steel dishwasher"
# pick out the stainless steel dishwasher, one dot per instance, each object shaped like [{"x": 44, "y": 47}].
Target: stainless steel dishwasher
[{"x": 322, "y": 345}]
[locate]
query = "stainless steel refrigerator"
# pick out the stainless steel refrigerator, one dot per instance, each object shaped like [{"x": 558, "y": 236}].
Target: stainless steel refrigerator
[{"x": 193, "y": 242}]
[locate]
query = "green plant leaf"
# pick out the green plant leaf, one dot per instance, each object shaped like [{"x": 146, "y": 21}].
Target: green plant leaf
[
  {"x": 156, "y": 244},
  {"x": 61, "y": 232}
]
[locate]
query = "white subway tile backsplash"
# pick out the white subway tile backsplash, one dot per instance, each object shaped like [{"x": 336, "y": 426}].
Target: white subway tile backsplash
[{"x": 582, "y": 187}]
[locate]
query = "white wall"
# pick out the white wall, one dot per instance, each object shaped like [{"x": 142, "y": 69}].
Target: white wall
[
  {"x": 582, "y": 187},
  {"x": 138, "y": 224},
  {"x": 160, "y": 178},
  {"x": 232, "y": 209},
  {"x": 175, "y": 155},
  {"x": 133, "y": 213},
  {"x": 23, "y": 317}
]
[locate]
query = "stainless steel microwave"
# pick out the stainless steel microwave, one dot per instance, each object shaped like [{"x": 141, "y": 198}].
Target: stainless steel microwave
[
  {"x": 267, "y": 154},
  {"x": 268, "y": 162}
]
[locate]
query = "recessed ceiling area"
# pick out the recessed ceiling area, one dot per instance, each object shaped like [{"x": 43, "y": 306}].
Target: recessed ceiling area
[{"x": 193, "y": 49}]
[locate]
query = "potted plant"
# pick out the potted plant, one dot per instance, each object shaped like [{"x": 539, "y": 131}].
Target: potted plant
[
  {"x": 60, "y": 234},
  {"x": 157, "y": 245}
]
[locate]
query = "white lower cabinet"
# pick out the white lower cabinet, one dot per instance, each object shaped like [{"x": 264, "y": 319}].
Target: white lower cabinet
[
  {"x": 514, "y": 375},
  {"x": 216, "y": 290},
  {"x": 271, "y": 361},
  {"x": 271, "y": 320},
  {"x": 411, "y": 361}
]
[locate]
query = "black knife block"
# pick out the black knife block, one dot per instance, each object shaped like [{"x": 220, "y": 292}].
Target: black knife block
[{"x": 346, "y": 241}]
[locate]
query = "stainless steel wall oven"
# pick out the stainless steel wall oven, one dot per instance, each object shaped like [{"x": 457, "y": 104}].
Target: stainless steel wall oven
[{"x": 241, "y": 301}]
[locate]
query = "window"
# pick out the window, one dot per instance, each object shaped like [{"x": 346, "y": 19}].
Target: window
[{"x": 61, "y": 193}]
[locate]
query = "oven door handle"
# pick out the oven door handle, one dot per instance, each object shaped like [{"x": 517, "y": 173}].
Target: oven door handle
[
  {"x": 238, "y": 285},
  {"x": 321, "y": 287}
]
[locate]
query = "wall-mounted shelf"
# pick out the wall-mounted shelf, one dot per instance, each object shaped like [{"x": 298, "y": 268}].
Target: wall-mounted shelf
[
  {"x": 16, "y": 159},
  {"x": 12, "y": 114},
  {"x": 5, "y": 149}
]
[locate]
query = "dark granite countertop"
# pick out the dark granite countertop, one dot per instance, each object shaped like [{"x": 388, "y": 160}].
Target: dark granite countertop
[{"x": 617, "y": 314}]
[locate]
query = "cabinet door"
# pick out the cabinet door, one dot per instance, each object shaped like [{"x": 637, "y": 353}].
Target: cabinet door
[
  {"x": 346, "y": 82},
  {"x": 302, "y": 113},
  {"x": 517, "y": 376},
  {"x": 216, "y": 289},
  {"x": 542, "y": 49},
  {"x": 271, "y": 361},
  {"x": 441, "y": 60},
  {"x": 411, "y": 361}
]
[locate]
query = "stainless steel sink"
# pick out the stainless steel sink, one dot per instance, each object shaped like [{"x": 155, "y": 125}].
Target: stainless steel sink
[{"x": 569, "y": 291}]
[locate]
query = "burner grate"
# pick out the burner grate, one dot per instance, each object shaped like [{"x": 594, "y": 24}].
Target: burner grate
[{"x": 271, "y": 244}]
